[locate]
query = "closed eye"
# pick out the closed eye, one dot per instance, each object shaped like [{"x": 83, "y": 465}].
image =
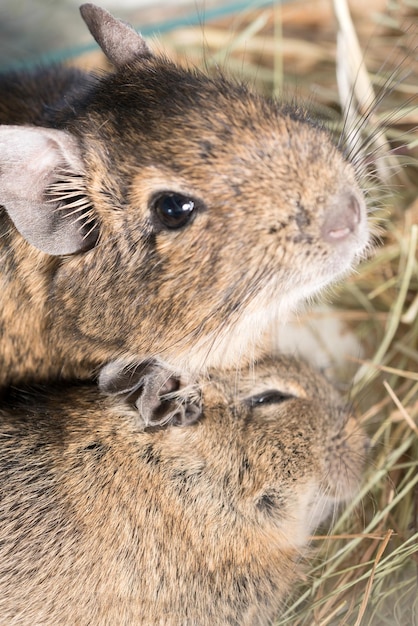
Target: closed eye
[{"x": 271, "y": 396}]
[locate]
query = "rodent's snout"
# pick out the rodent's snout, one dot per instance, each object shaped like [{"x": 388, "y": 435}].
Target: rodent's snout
[{"x": 343, "y": 219}]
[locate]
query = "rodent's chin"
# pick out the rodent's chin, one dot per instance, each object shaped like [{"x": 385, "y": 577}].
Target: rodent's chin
[
  {"x": 349, "y": 252},
  {"x": 242, "y": 338},
  {"x": 234, "y": 344}
]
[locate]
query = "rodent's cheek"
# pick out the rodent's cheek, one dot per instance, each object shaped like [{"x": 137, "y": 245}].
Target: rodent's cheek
[
  {"x": 317, "y": 504},
  {"x": 305, "y": 508},
  {"x": 345, "y": 460}
]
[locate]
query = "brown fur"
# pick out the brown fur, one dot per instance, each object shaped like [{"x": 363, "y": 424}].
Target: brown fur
[
  {"x": 103, "y": 523},
  {"x": 268, "y": 183}
]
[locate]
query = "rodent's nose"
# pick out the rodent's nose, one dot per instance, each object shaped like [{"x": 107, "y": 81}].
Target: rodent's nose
[{"x": 342, "y": 219}]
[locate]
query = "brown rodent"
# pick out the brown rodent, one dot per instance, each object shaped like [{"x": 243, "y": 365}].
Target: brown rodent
[
  {"x": 103, "y": 522},
  {"x": 156, "y": 211}
]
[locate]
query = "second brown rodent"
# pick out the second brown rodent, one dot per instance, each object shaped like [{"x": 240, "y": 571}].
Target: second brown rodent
[
  {"x": 103, "y": 522},
  {"x": 157, "y": 211}
]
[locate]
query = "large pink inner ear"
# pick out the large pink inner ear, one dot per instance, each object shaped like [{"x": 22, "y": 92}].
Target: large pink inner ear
[
  {"x": 118, "y": 40},
  {"x": 34, "y": 162}
]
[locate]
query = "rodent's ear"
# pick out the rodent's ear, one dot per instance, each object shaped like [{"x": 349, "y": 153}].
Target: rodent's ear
[
  {"x": 153, "y": 390},
  {"x": 118, "y": 40},
  {"x": 39, "y": 168}
]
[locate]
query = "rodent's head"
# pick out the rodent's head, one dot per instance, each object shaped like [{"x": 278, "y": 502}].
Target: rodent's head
[
  {"x": 206, "y": 210},
  {"x": 302, "y": 450},
  {"x": 275, "y": 440}
]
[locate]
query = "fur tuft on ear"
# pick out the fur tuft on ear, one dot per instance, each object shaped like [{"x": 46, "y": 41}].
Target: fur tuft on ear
[
  {"x": 42, "y": 191},
  {"x": 118, "y": 40},
  {"x": 154, "y": 391}
]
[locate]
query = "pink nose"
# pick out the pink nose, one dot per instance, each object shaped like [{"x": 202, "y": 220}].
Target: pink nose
[{"x": 342, "y": 219}]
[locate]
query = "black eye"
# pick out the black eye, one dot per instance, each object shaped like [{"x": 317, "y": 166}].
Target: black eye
[
  {"x": 271, "y": 396},
  {"x": 174, "y": 210}
]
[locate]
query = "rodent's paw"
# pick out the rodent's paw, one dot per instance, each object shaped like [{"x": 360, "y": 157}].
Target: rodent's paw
[{"x": 158, "y": 395}]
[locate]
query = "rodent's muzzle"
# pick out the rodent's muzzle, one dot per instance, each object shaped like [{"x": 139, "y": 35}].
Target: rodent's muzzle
[{"x": 346, "y": 217}]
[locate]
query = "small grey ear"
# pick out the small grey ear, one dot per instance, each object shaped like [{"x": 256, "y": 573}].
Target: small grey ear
[
  {"x": 119, "y": 378},
  {"x": 118, "y": 40},
  {"x": 33, "y": 163},
  {"x": 151, "y": 388}
]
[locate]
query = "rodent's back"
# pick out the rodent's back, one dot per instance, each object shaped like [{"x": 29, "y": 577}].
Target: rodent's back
[
  {"x": 106, "y": 523},
  {"x": 41, "y": 97}
]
